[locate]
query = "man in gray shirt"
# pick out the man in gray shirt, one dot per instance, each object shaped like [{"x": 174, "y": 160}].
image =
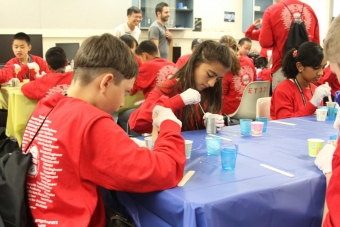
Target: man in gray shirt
[{"x": 158, "y": 33}]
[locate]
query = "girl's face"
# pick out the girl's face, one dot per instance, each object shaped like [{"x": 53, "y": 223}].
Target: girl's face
[
  {"x": 335, "y": 68},
  {"x": 312, "y": 74},
  {"x": 207, "y": 74},
  {"x": 244, "y": 49}
]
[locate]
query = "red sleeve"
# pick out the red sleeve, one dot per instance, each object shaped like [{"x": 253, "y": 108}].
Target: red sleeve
[
  {"x": 141, "y": 119},
  {"x": 253, "y": 34},
  {"x": 332, "y": 218},
  {"x": 6, "y": 73},
  {"x": 36, "y": 89},
  {"x": 144, "y": 79},
  {"x": 282, "y": 106},
  {"x": 266, "y": 35},
  {"x": 122, "y": 164},
  {"x": 180, "y": 62}
]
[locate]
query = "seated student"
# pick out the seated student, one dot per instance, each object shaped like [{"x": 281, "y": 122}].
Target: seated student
[
  {"x": 56, "y": 81},
  {"x": 200, "y": 76},
  {"x": 132, "y": 44},
  {"x": 298, "y": 96},
  {"x": 265, "y": 73},
  {"x": 183, "y": 59},
  {"x": 329, "y": 161},
  {"x": 331, "y": 78},
  {"x": 30, "y": 65},
  {"x": 244, "y": 46},
  {"x": 234, "y": 82},
  {"x": 154, "y": 69},
  {"x": 80, "y": 148}
]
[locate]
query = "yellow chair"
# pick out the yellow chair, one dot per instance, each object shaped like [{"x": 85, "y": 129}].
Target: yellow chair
[
  {"x": 247, "y": 107},
  {"x": 130, "y": 101},
  {"x": 263, "y": 107}
]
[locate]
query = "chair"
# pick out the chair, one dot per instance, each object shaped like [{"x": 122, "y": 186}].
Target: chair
[
  {"x": 263, "y": 107},
  {"x": 247, "y": 107}
]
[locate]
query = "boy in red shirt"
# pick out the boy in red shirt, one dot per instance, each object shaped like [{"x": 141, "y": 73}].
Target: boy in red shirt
[
  {"x": 56, "y": 81},
  {"x": 154, "y": 70},
  {"x": 31, "y": 66},
  {"x": 80, "y": 148}
]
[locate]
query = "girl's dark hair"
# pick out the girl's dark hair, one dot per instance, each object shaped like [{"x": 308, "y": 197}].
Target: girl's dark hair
[
  {"x": 308, "y": 54},
  {"x": 207, "y": 52},
  {"x": 129, "y": 40}
]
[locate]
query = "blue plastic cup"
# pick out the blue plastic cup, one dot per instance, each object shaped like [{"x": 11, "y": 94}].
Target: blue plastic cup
[
  {"x": 228, "y": 158},
  {"x": 265, "y": 122},
  {"x": 332, "y": 112},
  {"x": 188, "y": 148},
  {"x": 180, "y": 5},
  {"x": 213, "y": 145},
  {"x": 245, "y": 126}
]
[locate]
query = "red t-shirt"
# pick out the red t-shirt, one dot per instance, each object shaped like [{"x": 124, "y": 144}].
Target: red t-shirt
[
  {"x": 182, "y": 60},
  {"x": 234, "y": 85},
  {"x": 332, "y": 80},
  {"x": 287, "y": 101},
  {"x": 276, "y": 23},
  {"x": 79, "y": 149},
  {"x": 152, "y": 73},
  {"x": 47, "y": 85},
  {"x": 25, "y": 72},
  {"x": 265, "y": 75}
]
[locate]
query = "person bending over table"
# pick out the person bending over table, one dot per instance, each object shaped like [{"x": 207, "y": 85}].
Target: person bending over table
[
  {"x": 198, "y": 82},
  {"x": 56, "y": 81},
  {"x": 328, "y": 162},
  {"x": 298, "y": 96},
  {"x": 80, "y": 148}
]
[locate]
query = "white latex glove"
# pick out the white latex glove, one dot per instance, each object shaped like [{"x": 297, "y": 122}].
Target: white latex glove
[
  {"x": 164, "y": 114},
  {"x": 190, "y": 96},
  {"x": 34, "y": 66},
  {"x": 140, "y": 143},
  {"x": 320, "y": 92},
  {"x": 219, "y": 120},
  {"x": 324, "y": 159},
  {"x": 336, "y": 124},
  {"x": 17, "y": 68}
]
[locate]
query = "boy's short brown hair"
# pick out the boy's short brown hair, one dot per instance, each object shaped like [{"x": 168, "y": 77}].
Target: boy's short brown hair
[
  {"x": 104, "y": 54},
  {"x": 332, "y": 41}
]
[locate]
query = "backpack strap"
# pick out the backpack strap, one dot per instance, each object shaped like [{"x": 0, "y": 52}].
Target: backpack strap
[{"x": 42, "y": 123}]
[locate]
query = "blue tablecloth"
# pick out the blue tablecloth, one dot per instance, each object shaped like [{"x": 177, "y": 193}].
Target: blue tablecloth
[{"x": 249, "y": 196}]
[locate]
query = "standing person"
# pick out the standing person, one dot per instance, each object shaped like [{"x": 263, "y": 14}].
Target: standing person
[
  {"x": 158, "y": 33},
  {"x": 31, "y": 65},
  {"x": 328, "y": 162},
  {"x": 298, "y": 96},
  {"x": 198, "y": 82},
  {"x": 56, "y": 81},
  {"x": 183, "y": 59},
  {"x": 242, "y": 73},
  {"x": 276, "y": 23},
  {"x": 134, "y": 16},
  {"x": 80, "y": 148}
]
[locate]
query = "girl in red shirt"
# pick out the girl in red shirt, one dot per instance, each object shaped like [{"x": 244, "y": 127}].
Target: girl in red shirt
[{"x": 298, "y": 96}]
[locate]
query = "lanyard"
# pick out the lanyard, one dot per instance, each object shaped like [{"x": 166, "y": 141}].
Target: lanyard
[
  {"x": 300, "y": 90},
  {"x": 29, "y": 73}
]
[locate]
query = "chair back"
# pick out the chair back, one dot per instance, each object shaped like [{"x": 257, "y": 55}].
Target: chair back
[
  {"x": 263, "y": 107},
  {"x": 130, "y": 101},
  {"x": 247, "y": 107}
]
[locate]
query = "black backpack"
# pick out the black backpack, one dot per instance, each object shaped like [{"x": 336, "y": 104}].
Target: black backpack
[{"x": 297, "y": 33}]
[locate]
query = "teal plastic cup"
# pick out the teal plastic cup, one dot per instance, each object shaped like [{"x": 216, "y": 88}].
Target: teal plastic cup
[
  {"x": 265, "y": 122},
  {"x": 332, "y": 112},
  {"x": 213, "y": 145},
  {"x": 228, "y": 158},
  {"x": 245, "y": 126}
]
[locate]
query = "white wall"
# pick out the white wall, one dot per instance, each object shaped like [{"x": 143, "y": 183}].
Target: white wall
[{"x": 212, "y": 14}]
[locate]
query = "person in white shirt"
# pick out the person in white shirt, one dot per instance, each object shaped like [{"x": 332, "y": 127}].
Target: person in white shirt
[{"x": 134, "y": 15}]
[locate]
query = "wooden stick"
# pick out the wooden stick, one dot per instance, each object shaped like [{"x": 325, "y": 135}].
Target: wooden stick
[
  {"x": 154, "y": 133},
  {"x": 186, "y": 178},
  {"x": 329, "y": 96}
]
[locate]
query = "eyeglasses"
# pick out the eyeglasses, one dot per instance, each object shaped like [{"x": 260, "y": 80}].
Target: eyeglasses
[{"x": 138, "y": 18}]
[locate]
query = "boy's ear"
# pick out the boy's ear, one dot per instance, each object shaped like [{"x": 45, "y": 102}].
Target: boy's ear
[
  {"x": 29, "y": 47},
  {"x": 107, "y": 80}
]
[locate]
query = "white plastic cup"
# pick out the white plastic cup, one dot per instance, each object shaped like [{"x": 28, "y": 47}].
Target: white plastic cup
[{"x": 321, "y": 114}]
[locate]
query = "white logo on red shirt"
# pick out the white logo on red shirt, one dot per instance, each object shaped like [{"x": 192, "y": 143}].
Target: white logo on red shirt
[
  {"x": 57, "y": 89},
  {"x": 165, "y": 72},
  {"x": 241, "y": 81},
  {"x": 287, "y": 18}
]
